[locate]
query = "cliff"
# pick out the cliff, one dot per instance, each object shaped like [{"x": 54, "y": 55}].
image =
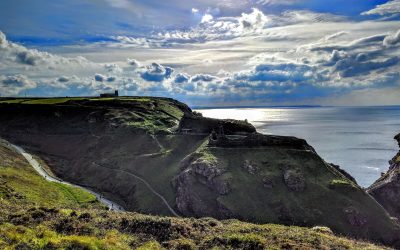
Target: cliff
[
  {"x": 386, "y": 190},
  {"x": 146, "y": 152}
]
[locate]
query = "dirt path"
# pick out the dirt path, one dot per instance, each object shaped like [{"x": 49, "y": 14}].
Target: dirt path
[
  {"x": 41, "y": 171},
  {"x": 148, "y": 186}
]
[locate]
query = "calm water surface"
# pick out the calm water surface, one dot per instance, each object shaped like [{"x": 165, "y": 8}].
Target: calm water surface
[{"x": 359, "y": 139}]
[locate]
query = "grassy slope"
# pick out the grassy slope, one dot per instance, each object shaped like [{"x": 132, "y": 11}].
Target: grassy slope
[
  {"x": 153, "y": 115},
  {"x": 40, "y": 215},
  {"x": 15, "y": 170}
]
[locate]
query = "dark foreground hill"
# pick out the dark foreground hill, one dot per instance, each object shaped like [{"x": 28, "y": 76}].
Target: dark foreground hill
[
  {"x": 36, "y": 214},
  {"x": 154, "y": 155}
]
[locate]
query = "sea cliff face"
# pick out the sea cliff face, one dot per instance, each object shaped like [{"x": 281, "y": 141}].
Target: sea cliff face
[
  {"x": 135, "y": 150},
  {"x": 386, "y": 190}
]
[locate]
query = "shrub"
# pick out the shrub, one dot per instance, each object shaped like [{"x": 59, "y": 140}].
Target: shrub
[{"x": 322, "y": 229}]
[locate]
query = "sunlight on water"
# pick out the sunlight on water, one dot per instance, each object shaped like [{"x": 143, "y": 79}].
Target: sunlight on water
[{"x": 360, "y": 140}]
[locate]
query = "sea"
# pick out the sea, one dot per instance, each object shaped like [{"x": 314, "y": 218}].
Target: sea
[{"x": 358, "y": 139}]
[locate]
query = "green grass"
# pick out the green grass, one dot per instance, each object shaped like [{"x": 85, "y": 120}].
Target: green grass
[
  {"x": 42, "y": 237},
  {"x": 50, "y": 101},
  {"x": 343, "y": 184},
  {"x": 19, "y": 183},
  {"x": 149, "y": 114},
  {"x": 93, "y": 229},
  {"x": 29, "y": 185},
  {"x": 11, "y": 101}
]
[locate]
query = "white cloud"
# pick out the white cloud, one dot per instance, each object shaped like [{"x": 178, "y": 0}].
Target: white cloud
[
  {"x": 389, "y": 8},
  {"x": 277, "y": 2},
  {"x": 134, "y": 63},
  {"x": 131, "y": 42},
  {"x": 194, "y": 10},
  {"x": 207, "y": 18},
  {"x": 14, "y": 84},
  {"x": 112, "y": 67},
  {"x": 156, "y": 72},
  {"x": 392, "y": 40}
]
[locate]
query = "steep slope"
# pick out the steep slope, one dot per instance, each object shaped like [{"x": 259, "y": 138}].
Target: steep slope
[
  {"x": 20, "y": 185},
  {"x": 386, "y": 190},
  {"x": 200, "y": 166},
  {"x": 36, "y": 214}
]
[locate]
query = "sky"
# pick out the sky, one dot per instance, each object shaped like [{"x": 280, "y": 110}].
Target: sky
[{"x": 204, "y": 52}]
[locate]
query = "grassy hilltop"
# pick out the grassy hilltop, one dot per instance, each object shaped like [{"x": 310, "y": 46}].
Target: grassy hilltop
[
  {"x": 36, "y": 214},
  {"x": 135, "y": 150}
]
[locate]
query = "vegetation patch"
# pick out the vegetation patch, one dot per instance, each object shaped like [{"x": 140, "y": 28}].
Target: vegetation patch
[{"x": 342, "y": 184}]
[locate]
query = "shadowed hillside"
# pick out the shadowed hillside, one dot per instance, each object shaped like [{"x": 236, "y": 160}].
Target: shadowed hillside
[
  {"x": 35, "y": 214},
  {"x": 153, "y": 154}
]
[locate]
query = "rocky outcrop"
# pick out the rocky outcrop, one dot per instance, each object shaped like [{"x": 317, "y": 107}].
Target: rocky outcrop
[
  {"x": 200, "y": 173},
  {"x": 294, "y": 180},
  {"x": 250, "y": 166},
  {"x": 198, "y": 124},
  {"x": 256, "y": 140},
  {"x": 386, "y": 190}
]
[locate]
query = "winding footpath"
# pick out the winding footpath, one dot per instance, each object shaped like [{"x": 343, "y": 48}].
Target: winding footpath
[
  {"x": 41, "y": 171},
  {"x": 148, "y": 186}
]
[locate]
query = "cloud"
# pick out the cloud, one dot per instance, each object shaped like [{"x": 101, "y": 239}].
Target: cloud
[
  {"x": 181, "y": 78},
  {"x": 13, "y": 85},
  {"x": 112, "y": 67},
  {"x": 131, "y": 42},
  {"x": 103, "y": 78},
  {"x": 111, "y": 78},
  {"x": 389, "y": 8},
  {"x": 277, "y": 2},
  {"x": 203, "y": 78},
  {"x": 63, "y": 79},
  {"x": 156, "y": 72},
  {"x": 207, "y": 18},
  {"x": 277, "y": 72},
  {"x": 392, "y": 40},
  {"x": 134, "y": 63},
  {"x": 99, "y": 78},
  {"x": 254, "y": 23},
  {"x": 17, "y": 56}
]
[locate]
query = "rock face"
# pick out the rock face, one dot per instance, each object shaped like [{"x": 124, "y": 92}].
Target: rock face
[
  {"x": 200, "y": 175},
  {"x": 294, "y": 180},
  {"x": 386, "y": 190},
  {"x": 250, "y": 166},
  {"x": 199, "y": 124}
]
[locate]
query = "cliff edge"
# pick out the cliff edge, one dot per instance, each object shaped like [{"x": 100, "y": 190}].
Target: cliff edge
[{"x": 386, "y": 190}]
